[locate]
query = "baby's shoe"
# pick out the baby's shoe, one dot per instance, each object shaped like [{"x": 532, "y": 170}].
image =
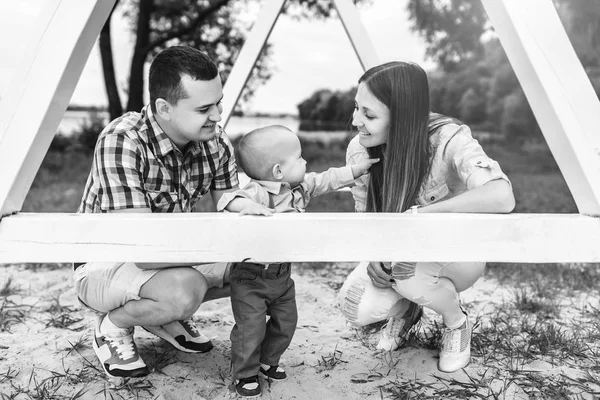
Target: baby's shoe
[
  {"x": 274, "y": 372},
  {"x": 248, "y": 387}
]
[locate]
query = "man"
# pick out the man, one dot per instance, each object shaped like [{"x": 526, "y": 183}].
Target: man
[{"x": 162, "y": 159}]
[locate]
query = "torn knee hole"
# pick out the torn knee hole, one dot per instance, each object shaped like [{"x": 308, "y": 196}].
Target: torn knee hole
[{"x": 402, "y": 271}]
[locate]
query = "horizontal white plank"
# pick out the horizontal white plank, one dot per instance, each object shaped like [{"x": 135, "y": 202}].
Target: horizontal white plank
[{"x": 211, "y": 237}]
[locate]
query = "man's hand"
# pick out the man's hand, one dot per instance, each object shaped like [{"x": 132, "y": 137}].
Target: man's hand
[
  {"x": 362, "y": 166},
  {"x": 379, "y": 277}
]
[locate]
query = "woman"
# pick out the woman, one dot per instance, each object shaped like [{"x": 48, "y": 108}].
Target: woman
[{"x": 429, "y": 163}]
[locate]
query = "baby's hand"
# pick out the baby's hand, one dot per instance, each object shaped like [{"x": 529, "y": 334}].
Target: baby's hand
[
  {"x": 363, "y": 165},
  {"x": 252, "y": 208}
]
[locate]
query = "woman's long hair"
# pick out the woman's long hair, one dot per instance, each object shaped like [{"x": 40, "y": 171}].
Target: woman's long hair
[{"x": 395, "y": 181}]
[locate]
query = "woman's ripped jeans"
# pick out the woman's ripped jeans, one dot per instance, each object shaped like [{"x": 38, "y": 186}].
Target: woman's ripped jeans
[{"x": 434, "y": 285}]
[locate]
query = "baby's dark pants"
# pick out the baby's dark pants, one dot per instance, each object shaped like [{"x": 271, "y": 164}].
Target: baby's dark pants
[{"x": 258, "y": 292}]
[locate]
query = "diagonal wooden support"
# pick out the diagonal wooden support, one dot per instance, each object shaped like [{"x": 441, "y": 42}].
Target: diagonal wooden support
[
  {"x": 267, "y": 17},
  {"x": 299, "y": 237},
  {"x": 242, "y": 68},
  {"x": 558, "y": 90},
  {"x": 34, "y": 104},
  {"x": 359, "y": 38}
]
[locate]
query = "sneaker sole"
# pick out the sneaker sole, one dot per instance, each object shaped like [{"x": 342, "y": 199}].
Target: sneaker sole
[
  {"x": 265, "y": 376},
  {"x": 248, "y": 397},
  {"x": 449, "y": 371},
  {"x": 175, "y": 343}
]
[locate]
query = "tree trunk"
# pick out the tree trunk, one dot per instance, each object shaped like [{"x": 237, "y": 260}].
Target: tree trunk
[
  {"x": 140, "y": 53},
  {"x": 108, "y": 68}
]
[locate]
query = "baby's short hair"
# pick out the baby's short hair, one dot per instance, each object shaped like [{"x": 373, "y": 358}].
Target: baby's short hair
[{"x": 257, "y": 151}]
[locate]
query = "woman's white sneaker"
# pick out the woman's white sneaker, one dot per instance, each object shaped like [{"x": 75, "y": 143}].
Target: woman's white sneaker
[
  {"x": 455, "y": 351},
  {"x": 394, "y": 333}
]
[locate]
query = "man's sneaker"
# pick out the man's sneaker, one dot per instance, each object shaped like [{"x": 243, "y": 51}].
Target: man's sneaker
[
  {"x": 183, "y": 335},
  {"x": 248, "y": 387},
  {"x": 455, "y": 352},
  {"x": 117, "y": 352},
  {"x": 393, "y": 334},
  {"x": 274, "y": 372}
]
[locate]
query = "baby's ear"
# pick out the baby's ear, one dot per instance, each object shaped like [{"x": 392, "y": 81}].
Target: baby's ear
[{"x": 277, "y": 172}]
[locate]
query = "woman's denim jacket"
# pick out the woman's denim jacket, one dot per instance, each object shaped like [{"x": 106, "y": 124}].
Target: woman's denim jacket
[{"x": 458, "y": 164}]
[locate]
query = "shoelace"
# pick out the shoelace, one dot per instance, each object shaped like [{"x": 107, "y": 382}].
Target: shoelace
[
  {"x": 451, "y": 340},
  {"x": 192, "y": 326},
  {"x": 124, "y": 345},
  {"x": 392, "y": 327}
]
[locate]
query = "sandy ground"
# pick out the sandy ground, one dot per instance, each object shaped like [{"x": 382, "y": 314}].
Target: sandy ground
[{"x": 322, "y": 362}]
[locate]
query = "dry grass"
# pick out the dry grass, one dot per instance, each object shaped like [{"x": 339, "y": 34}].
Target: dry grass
[{"x": 540, "y": 342}]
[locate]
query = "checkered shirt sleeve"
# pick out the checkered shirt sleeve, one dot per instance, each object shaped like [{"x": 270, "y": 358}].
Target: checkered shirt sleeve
[
  {"x": 119, "y": 165},
  {"x": 226, "y": 176}
]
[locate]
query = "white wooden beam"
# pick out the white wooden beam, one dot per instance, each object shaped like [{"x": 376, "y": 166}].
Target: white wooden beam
[
  {"x": 359, "y": 38},
  {"x": 242, "y": 68},
  {"x": 558, "y": 90},
  {"x": 212, "y": 237},
  {"x": 34, "y": 104}
]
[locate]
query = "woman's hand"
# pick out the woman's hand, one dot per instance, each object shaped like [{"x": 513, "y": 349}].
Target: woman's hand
[
  {"x": 363, "y": 165},
  {"x": 379, "y": 277}
]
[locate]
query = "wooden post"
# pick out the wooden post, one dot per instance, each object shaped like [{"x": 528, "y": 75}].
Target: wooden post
[
  {"x": 36, "y": 101},
  {"x": 242, "y": 68},
  {"x": 558, "y": 90},
  {"x": 361, "y": 43}
]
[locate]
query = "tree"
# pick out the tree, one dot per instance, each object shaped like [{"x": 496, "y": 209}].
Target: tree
[
  {"x": 214, "y": 26},
  {"x": 459, "y": 37},
  {"x": 108, "y": 68},
  {"x": 452, "y": 29}
]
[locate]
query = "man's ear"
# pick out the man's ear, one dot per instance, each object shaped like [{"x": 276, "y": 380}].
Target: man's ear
[
  {"x": 277, "y": 172},
  {"x": 163, "y": 108}
]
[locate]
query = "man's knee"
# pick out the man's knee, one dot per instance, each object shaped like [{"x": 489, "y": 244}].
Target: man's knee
[{"x": 188, "y": 290}]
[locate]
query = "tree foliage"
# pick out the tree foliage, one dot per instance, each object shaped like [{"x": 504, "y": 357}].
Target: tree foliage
[
  {"x": 327, "y": 110},
  {"x": 217, "y": 27},
  {"x": 474, "y": 80},
  {"x": 451, "y": 28}
]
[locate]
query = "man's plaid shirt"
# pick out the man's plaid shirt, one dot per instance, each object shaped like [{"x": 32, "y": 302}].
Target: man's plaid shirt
[{"x": 136, "y": 165}]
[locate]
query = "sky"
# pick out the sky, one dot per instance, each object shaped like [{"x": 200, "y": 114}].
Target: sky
[{"x": 308, "y": 55}]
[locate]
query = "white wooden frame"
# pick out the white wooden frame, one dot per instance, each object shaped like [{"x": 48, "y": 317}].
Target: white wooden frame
[
  {"x": 33, "y": 105},
  {"x": 215, "y": 237},
  {"x": 558, "y": 90},
  {"x": 257, "y": 39},
  {"x": 537, "y": 46}
]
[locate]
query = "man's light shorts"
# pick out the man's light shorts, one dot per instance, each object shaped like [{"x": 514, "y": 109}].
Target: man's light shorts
[{"x": 106, "y": 286}]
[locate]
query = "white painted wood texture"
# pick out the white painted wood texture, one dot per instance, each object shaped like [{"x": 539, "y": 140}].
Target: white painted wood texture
[
  {"x": 212, "y": 237},
  {"x": 259, "y": 34},
  {"x": 63, "y": 37},
  {"x": 242, "y": 69},
  {"x": 359, "y": 38},
  {"x": 558, "y": 90}
]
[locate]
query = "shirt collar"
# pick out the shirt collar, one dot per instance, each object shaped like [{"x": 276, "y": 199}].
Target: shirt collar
[
  {"x": 161, "y": 141},
  {"x": 273, "y": 187},
  {"x": 156, "y": 135}
]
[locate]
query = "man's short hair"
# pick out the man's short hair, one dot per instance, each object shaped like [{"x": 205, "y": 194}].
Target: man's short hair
[{"x": 169, "y": 65}]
